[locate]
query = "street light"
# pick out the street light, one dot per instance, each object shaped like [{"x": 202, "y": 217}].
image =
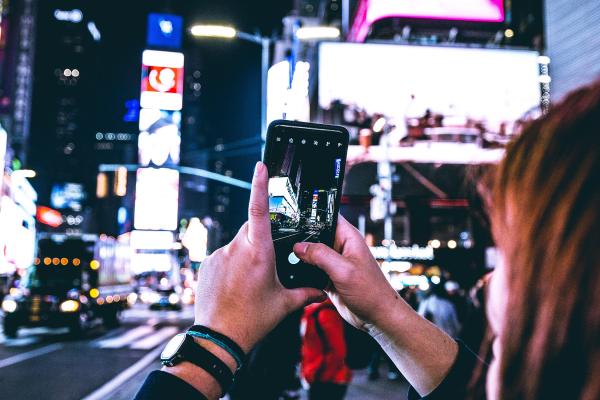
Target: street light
[
  {"x": 228, "y": 32},
  {"x": 317, "y": 33},
  {"x": 217, "y": 31},
  {"x": 25, "y": 173}
]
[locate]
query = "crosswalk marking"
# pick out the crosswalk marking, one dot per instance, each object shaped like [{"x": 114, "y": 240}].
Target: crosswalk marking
[
  {"x": 21, "y": 342},
  {"x": 154, "y": 340},
  {"x": 127, "y": 338}
]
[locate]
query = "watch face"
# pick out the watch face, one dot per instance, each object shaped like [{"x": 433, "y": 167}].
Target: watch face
[{"x": 172, "y": 347}]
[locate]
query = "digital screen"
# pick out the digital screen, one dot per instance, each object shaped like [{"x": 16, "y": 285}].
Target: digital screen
[
  {"x": 156, "y": 199},
  {"x": 159, "y": 140},
  {"x": 165, "y": 30},
  {"x": 371, "y": 11},
  {"x": 305, "y": 181},
  {"x": 162, "y": 80},
  {"x": 68, "y": 196},
  {"x": 489, "y": 86}
]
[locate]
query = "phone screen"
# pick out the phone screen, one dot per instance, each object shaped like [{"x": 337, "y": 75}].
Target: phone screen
[{"x": 306, "y": 171}]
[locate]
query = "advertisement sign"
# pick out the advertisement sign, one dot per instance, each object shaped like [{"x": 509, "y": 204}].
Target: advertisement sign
[
  {"x": 159, "y": 140},
  {"x": 17, "y": 236},
  {"x": 165, "y": 30},
  {"x": 162, "y": 80},
  {"x": 156, "y": 199},
  {"x": 68, "y": 195},
  {"x": 495, "y": 86},
  {"x": 371, "y": 11}
]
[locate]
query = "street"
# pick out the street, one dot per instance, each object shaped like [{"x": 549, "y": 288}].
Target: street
[
  {"x": 49, "y": 364},
  {"x": 43, "y": 363}
]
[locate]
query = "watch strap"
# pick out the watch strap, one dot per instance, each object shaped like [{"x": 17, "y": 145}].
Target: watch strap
[{"x": 197, "y": 355}]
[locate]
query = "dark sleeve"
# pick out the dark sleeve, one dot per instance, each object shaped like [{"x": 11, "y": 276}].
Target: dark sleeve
[
  {"x": 454, "y": 386},
  {"x": 160, "y": 385}
]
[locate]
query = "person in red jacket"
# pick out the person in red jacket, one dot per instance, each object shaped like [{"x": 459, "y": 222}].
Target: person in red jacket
[{"x": 324, "y": 352}]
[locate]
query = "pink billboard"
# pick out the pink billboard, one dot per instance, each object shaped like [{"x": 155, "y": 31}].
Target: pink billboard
[{"x": 371, "y": 11}]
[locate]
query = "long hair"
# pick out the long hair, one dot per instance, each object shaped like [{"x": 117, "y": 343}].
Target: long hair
[{"x": 546, "y": 220}]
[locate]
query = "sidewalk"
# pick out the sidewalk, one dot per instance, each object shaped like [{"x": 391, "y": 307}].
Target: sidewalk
[{"x": 360, "y": 389}]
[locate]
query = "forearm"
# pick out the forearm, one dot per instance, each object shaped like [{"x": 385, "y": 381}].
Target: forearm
[{"x": 421, "y": 351}]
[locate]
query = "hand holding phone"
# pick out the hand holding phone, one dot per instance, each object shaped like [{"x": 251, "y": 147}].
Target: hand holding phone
[{"x": 306, "y": 164}]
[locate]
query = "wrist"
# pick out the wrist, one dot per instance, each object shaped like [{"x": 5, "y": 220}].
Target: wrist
[
  {"x": 237, "y": 334},
  {"x": 219, "y": 352},
  {"x": 198, "y": 378},
  {"x": 393, "y": 313}
]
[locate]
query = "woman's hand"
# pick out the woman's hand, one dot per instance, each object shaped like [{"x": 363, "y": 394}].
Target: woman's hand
[
  {"x": 360, "y": 291},
  {"x": 238, "y": 292},
  {"x": 423, "y": 353}
]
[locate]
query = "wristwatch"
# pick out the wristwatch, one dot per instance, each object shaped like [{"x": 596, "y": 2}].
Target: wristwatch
[{"x": 183, "y": 348}]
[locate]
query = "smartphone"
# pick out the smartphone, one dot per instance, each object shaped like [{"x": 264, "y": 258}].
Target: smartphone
[{"x": 306, "y": 164}]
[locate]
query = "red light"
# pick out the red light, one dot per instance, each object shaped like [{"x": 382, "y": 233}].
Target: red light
[{"x": 48, "y": 216}]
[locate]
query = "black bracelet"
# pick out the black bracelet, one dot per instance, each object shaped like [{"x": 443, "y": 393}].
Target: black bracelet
[
  {"x": 210, "y": 363},
  {"x": 221, "y": 340}
]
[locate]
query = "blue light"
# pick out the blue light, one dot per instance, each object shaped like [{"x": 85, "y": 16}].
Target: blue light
[
  {"x": 122, "y": 215},
  {"x": 133, "y": 111},
  {"x": 165, "y": 31}
]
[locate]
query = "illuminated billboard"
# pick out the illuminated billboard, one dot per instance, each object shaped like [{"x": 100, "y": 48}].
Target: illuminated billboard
[
  {"x": 162, "y": 80},
  {"x": 370, "y": 11},
  {"x": 156, "y": 199},
  {"x": 165, "y": 30},
  {"x": 159, "y": 140},
  {"x": 494, "y": 86}
]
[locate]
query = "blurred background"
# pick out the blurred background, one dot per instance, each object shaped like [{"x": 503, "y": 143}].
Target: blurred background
[{"x": 129, "y": 131}]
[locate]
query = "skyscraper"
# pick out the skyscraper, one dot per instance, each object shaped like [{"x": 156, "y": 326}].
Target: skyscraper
[{"x": 62, "y": 131}]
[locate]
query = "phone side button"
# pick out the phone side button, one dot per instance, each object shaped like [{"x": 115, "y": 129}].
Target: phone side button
[{"x": 293, "y": 259}]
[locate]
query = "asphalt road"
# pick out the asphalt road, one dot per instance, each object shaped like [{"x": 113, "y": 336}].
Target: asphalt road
[
  {"x": 49, "y": 364},
  {"x": 112, "y": 364}
]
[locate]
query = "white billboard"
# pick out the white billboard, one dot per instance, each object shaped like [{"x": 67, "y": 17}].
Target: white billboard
[
  {"x": 494, "y": 85},
  {"x": 156, "y": 199}
]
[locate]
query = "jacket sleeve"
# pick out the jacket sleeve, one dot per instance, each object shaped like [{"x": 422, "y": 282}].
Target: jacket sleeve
[
  {"x": 333, "y": 330},
  {"x": 454, "y": 386},
  {"x": 160, "y": 385}
]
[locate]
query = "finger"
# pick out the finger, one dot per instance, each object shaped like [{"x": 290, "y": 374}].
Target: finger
[
  {"x": 305, "y": 296},
  {"x": 349, "y": 241},
  {"x": 323, "y": 257},
  {"x": 259, "y": 225}
]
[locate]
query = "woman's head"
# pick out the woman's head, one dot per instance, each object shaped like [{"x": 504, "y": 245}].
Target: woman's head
[{"x": 545, "y": 301}]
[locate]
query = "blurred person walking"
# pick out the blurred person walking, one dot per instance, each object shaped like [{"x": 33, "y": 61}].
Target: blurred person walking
[
  {"x": 438, "y": 309},
  {"x": 324, "y": 352}
]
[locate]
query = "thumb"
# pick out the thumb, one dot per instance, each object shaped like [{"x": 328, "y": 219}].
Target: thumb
[
  {"x": 323, "y": 257},
  {"x": 304, "y": 296}
]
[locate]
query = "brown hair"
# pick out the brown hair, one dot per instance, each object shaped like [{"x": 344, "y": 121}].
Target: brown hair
[{"x": 546, "y": 221}]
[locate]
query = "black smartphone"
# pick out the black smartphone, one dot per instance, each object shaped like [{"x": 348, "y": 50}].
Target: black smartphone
[{"x": 306, "y": 164}]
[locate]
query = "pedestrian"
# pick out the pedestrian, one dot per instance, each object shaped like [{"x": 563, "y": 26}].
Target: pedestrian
[
  {"x": 438, "y": 309},
  {"x": 324, "y": 352}
]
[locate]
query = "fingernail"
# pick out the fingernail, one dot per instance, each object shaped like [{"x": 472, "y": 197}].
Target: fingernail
[
  {"x": 300, "y": 248},
  {"x": 258, "y": 167}
]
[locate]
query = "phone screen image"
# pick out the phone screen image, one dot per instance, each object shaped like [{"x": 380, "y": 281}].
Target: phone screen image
[{"x": 306, "y": 172}]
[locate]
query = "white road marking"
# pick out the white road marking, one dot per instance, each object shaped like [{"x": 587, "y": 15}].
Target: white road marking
[
  {"x": 29, "y": 355},
  {"x": 21, "y": 342},
  {"x": 104, "y": 391},
  {"x": 125, "y": 339},
  {"x": 294, "y": 234},
  {"x": 155, "y": 339}
]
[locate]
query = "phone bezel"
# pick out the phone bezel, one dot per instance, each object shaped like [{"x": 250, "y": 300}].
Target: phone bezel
[{"x": 309, "y": 275}]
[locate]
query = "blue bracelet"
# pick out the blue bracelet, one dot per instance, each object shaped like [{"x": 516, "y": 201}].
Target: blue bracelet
[{"x": 219, "y": 343}]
